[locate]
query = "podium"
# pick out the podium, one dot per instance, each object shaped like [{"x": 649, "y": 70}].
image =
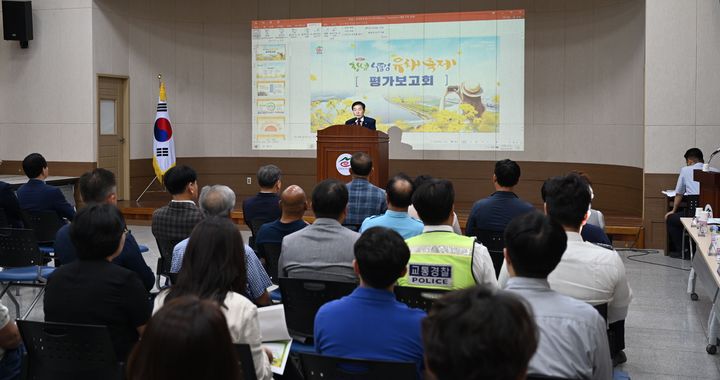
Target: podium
[
  {"x": 709, "y": 189},
  {"x": 337, "y": 143}
]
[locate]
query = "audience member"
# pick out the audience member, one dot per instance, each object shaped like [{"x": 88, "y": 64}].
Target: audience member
[
  {"x": 496, "y": 211},
  {"x": 370, "y": 323},
  {"x": 219, "y": 200},
  {"x": 11, "y": 347},
  {"x": 36, "y": 195},
  {"x": 364, "y": 198},
  {"x": 188, "y": 338},
  {"x": 479, "y": 334},
  {"x": 10, "y": 206},
  {"x": 265, "y": 205},
  {"x": 324, "y": 249},
  {"x": 593, "y": 230},
  {"x": 174, "y": 222},
  {"x": 419, "y": 181},
  {"x": 214, "y": 269},
  {"x": 99, "y": 186},
  {"x": 293, "y": 204},
  {"x": 573, "y": 338},
  {"x": 440, "y": 258},
  {"x": 92, "y": 290},
  {"x": 399, "y": 191}
]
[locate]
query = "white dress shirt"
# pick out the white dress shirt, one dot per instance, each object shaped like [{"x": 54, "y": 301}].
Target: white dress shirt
[{"x": 686, "y": 185}]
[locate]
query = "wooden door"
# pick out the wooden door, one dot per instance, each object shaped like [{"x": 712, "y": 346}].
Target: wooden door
[{"x": 112, "y": 130}]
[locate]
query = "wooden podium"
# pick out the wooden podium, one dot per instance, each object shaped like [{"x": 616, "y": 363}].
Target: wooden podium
[
  {"x": 709, "y": 189},
  {"x": 335, "y": 145}
]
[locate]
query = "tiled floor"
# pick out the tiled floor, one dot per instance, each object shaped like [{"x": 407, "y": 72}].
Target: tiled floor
[{"x": 665, "y": 330}]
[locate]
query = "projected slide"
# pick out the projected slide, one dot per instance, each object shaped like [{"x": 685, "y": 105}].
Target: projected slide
[{"x": 440, "y": 81}]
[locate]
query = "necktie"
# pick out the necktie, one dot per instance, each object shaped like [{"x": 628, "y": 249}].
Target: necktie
[{"x": 357, "y": 122}]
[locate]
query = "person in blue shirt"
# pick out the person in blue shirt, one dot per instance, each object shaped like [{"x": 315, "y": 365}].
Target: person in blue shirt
[
  {"x": 370, "y": 323},
  {"x": 99, "y": 186},
  {"x": 399, "y": 191},
  {"x": 293, "y": 203},
  {"x": 36, "y": 195}
]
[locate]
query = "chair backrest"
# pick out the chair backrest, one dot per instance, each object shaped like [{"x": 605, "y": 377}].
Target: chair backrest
[
  {"x": 418, "y": 298},
  {"x": 272, "y": 256},
  {"x": 18, "y": 248},
  {"x": 68, "y": 351},
  {"x": 255, "y": 225},
  {"x": 302, "y": 298},
  {"x": 45, "y": 224},
  {"x": 692, "y": 202},
  {"x": 602, "y": 309},
  {"x": 3, "y": 219},
  {"x": 319, "y": 367},
  {"x": 246, "y": 361},
  {"x": 165, "y": 246},
  {"x": 494, "y": 241}
]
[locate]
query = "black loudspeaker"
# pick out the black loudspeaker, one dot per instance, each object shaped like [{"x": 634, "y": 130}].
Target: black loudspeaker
[{"x": 17, "y": 21}]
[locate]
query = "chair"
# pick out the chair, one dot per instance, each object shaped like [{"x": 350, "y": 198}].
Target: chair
[
  {"x": 4, "y": 223},
  {"x": 61, "y": 351},
  {"x": 320, "y": 367},
  {"x": 45, "y": 224},
  {"x": 602, "y": 309},
  {"x": 272, "y": 256},
  {"x": 494, "y": 241},
  {"x": 21, "y": 261},
  {"x": 165, "y": 260},
  {"x": 302, "y": 298},
  {"x": 418, "y": 298},
  {"x": 691, "y": 203},
  {"x": 255, "y": 225},
  {"x": 246, "y": 361}
]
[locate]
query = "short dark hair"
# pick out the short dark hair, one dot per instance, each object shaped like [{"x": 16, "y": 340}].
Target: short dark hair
[
  {"x": 694, "y": 153},
  {"x": 507, "y": 173},
  {"x": 381, "y": 254},
  {"x": 268, "y": 175},
  {"x": 434, "y": 201},
  {"x": 399, "y": 195},
  {"x": 361, "y": 164},
  {"x": 477, "y": 333},
  {"x": 329, "y": 199},
  {"x": 97, "y": 185},
  {"x": 567, "y": 199},
  {"x": 421, "y": 180},
  {"x": 178, "y": 177},
  {"x": 535, "y": 244},
  {"x": 184, "y": 331},
  {"x": 33, "y": 165},
  {"x": 96, "y": 231},
  {"x": 357, "y": 103}
]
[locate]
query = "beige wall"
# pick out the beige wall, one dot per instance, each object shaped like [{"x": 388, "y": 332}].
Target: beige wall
[{"x": 682, "y": 81}]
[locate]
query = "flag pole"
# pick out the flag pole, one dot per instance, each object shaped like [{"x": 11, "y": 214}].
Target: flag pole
[{"x": 154, "y": 178}]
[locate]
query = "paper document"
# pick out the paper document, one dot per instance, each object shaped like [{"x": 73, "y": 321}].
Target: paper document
[
  {"x": 275, "y": 335},
  {"x": 714, "y": 221},
  {"x": 669, "y": 193}
]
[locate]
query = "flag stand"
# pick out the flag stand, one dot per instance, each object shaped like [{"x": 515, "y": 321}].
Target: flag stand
[{"x": 146, "y": 189}]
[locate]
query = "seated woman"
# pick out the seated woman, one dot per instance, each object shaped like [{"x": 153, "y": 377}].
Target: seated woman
[
  {"x": 214, "y": 268},
  {"x": 93, "y": 290},
  {"x": 188, "y": 338}
]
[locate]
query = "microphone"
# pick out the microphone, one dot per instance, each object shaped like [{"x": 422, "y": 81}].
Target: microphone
[{"x": 706, "y": 166}]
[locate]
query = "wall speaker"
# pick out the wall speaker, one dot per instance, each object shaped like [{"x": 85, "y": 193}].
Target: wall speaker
[{"x": 17, "y": 21}]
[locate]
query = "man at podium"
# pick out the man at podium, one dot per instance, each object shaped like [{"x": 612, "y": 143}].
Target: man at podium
[{"x": 358, "y": 109}]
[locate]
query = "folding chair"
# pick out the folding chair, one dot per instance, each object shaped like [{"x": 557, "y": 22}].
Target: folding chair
[
  {"x": 4, "y": 223},
  {"x": 247, "y": 364},
  {"x": 21, "y": 261},
  {"x": 165, "y": 260},
  {"x": 494, "y": 241},
  {"x": 62, "y": 351},
  {"x": 320, "y": 367},
  {"x": 272, "y": 256},
  {"x": 255, "y": 225},
  {"x": 418, "y": 298},
  {"x": 45, "y": 224}
]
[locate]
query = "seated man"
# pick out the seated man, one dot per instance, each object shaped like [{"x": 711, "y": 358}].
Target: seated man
[
  {"x": 174, "y": 222},
  {"x": 370, "y": 323},
  {"x": 496, "y": 211},
  {"x": 399, "y": 191},
  {"x": 440, "y": 258},
  {"x": 365, "y": 199},
  {"x": 99, "y": 186},
  {"x": 293, "y": 204},
  {"x": 479, "y": 334},
  {"x": 264, "y": 205},
  {"x": 219, "y": 200},
  {"x": 36, "y": 195},
  {"x": 92, "y": 290},
  {"x": 573, "y": 343},
  {"x": 10, "y": 206},
  {"x": 419, "y": 181},
  {"x": 324, "y": 249}
]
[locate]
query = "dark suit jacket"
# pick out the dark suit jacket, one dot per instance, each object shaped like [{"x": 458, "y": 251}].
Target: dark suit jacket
[
  {"x": 36, "y": 196},
  {"x": 9, "y": 204},
  {"x": 368, "y": 122},
  {"x": 174, "y": 222}
]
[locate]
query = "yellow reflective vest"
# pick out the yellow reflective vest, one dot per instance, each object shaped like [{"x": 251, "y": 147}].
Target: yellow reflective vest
[{"x": 440, "y": 260}]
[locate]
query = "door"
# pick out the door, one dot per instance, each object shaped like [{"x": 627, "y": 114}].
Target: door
[{"x": 112, "y": 131}]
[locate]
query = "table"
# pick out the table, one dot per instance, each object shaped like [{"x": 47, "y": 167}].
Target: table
[{"x": 704, "y": 268}]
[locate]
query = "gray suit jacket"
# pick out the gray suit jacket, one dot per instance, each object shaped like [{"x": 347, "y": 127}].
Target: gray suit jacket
[{"x": 321, "y": 251}]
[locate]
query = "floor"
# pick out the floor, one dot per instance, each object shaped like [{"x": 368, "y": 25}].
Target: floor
[{"x": 665, "y": 330}]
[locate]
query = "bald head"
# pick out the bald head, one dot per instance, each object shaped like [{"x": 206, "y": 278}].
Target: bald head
[
  {"x": 399, "y": 191},
  {"x": 293, "y": 203}
]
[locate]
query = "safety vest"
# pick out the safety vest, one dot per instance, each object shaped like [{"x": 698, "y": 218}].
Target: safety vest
[{"x": 439, "y": 260}]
